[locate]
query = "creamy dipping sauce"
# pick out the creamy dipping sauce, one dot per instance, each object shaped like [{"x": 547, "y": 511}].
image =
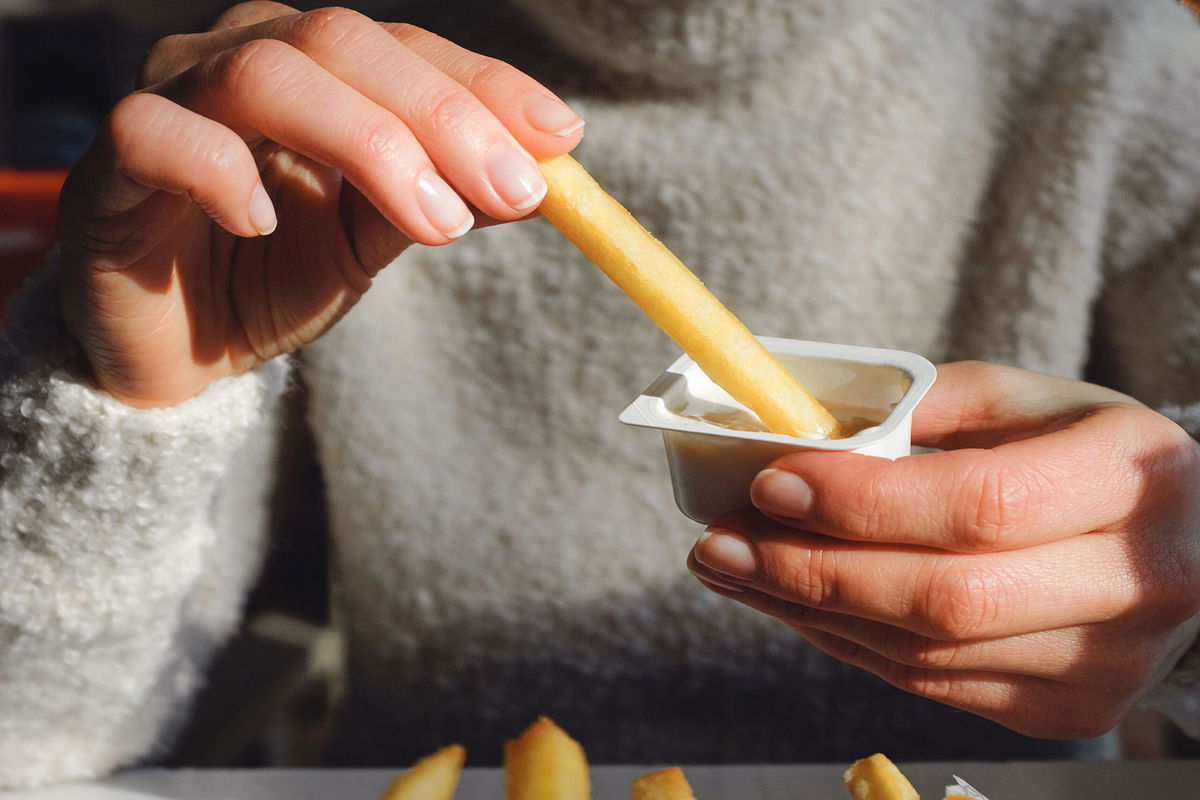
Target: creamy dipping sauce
[{"x": 852, "y": 418}]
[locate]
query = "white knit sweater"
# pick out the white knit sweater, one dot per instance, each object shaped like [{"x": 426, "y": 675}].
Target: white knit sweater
[{"x": 1015, "y": 180}]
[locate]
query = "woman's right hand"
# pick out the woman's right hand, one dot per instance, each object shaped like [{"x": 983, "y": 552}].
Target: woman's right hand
[{"x": 239, "y": 204}]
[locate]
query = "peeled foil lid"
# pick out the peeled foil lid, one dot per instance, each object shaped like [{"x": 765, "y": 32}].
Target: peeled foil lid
[{"x": 963, "y": 789}]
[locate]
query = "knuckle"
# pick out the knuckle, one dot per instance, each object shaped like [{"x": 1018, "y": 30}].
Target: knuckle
[
  {"x": 484, "y": 69},
  {"x": 248, "y": 67},
  {"x": 962, "y": 602},
  {"x": 218, "y": 159},
  {"x": 161, "y": 59},
  {"x": 445, "y": 107},
  {"x": 864, "y": 511},
  {"x": 131, "y": 108},
  {"x": 806, "y": 578},
  {"x": 811, "y": 579},
  {"x": 129, "y": 120},
  {"x": 327, "y": 28},
  {"x": 408, "y": 33},
  {"x": 248, "y": 13},
  {"x": 377, "y": 140},
  {"x": 998, "y": 503}
]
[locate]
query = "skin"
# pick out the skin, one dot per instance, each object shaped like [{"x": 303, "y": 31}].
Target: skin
[
  {"x": 168, "y": 284},
  {"x": 1043, "y": 571}
]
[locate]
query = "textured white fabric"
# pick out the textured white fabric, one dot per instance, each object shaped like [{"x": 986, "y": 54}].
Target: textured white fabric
[
  {"x": 115, "y": 585},
  {"x": 1014, "y": 180}
]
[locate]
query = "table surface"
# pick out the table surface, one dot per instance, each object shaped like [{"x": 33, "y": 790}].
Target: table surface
[{"x": 1101, "y": 780}]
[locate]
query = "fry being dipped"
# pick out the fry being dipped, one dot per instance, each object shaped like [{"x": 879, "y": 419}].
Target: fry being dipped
[{"x": 678, "y": 302}]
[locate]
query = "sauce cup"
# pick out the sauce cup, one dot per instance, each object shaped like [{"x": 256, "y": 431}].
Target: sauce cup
[{"x": 714, "y": 449}]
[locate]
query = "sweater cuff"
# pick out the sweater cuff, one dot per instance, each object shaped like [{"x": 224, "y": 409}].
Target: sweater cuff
[
  {"x": 101, "y": 465},
  {"x": 106, "y": 530}
]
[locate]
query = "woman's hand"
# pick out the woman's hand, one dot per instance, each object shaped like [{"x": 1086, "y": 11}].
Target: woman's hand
[
  {"x": 1043, "y": 571},
  {"x": 239, "y": 204}
]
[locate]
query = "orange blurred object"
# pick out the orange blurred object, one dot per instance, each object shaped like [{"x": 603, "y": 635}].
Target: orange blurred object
[{"x": 28, "y": 222}]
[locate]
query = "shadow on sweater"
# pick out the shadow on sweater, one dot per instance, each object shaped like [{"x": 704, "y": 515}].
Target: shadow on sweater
[{"x": 801, "y": 707}]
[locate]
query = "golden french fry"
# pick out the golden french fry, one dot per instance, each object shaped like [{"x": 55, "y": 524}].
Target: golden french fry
[
  {"x": 663, "y": 784},
  {"x": 877, "y": 778},
  {"x": 544, "y": 763},
  {"x": 434, "y": 777},
  {"x": 678, "y": 302}
]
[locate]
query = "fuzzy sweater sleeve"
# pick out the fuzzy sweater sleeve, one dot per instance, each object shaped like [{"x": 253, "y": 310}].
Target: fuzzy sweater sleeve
[{"x": 126, "y": 546}]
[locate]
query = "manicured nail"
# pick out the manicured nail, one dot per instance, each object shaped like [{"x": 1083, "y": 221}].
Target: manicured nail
[
  {"x": 444, "y": 209},
  {"x": 727, "y": 553},
  {"x": 515, "y": 177},
  {"x": 782, "y": 493},
  {"x": 550, "y": 115},
  {"x": 262, "y": 211}
]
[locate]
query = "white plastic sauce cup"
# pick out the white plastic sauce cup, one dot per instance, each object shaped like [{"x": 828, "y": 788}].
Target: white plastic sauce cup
[{"x": 712, "y": 466}]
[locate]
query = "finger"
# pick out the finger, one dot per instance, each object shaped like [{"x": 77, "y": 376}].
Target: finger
[
  {"x": 251, "y": 13},
  {"x": 976, "y": 404},
  {"x": 1071, "y": 654},
  {"x": 1087, "y": 474},
  {"x": 268, "y": 89},
  {"x": 1030, "y": 706},
  {"x": 172, "y": 55},
  {"x": 149, "y": 144},
  {"x": 946, "y": 597},
  {"x": 536, "y": 117},
  {"x": 471, "y": 148}
]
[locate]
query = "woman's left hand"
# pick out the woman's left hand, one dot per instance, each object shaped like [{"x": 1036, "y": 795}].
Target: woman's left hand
[{"x": 1042, "y": 571}]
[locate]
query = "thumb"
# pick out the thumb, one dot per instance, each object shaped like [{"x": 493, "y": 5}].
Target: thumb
[{"x": 1069, "y": 480}]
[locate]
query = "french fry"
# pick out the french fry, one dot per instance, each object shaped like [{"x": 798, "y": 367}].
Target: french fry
[
  {"x": 544, "y": 763},
  {"x": 678, "y": 302},
  {"x": 877, "y": 778},
  {"x": 663, "y": 784},
  {"x": 434, "y": 777}
]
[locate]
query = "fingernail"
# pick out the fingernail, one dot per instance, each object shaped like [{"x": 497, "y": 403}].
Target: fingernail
[
  {"x": 442, "y": 206},
  {"x": 262, "y": 211},
  {"x": 515, "y": 177},
  {"x": 727, "y": 553},
  {"x": 550, "y": 115},
  {"x": 783, "y": 493}
]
